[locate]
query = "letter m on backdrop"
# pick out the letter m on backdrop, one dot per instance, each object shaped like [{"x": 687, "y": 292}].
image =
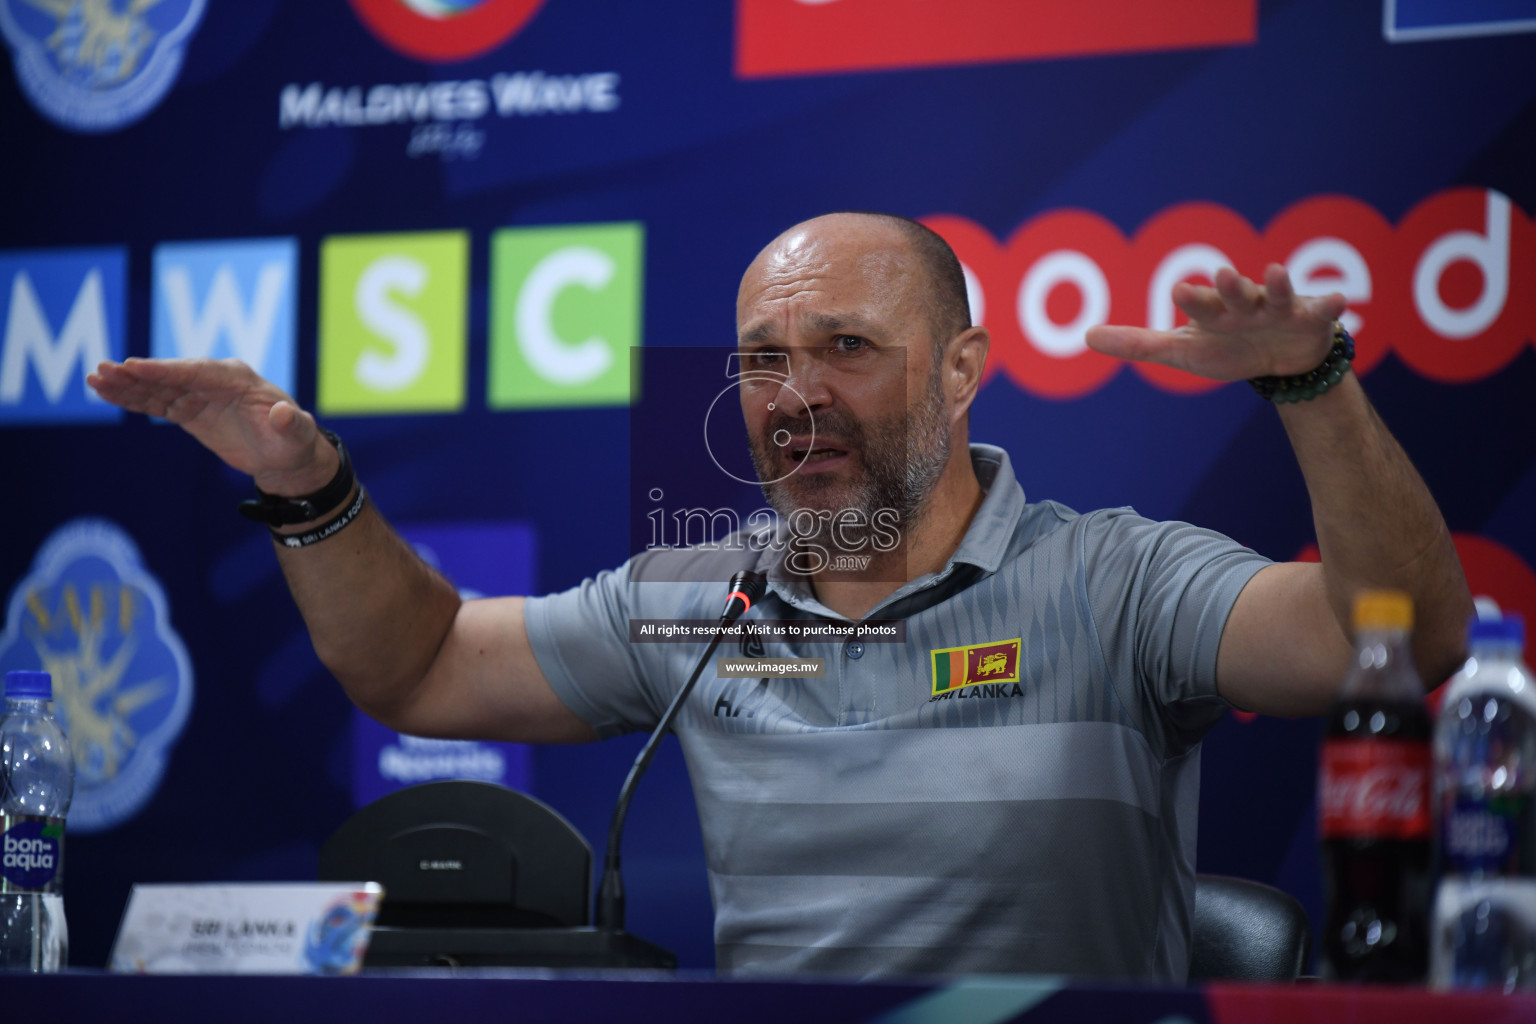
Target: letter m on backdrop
[
  {"x": 228, "y": 298},
  {"x": 61, "y": 313}
]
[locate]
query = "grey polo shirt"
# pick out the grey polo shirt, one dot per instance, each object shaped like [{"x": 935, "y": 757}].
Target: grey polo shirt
[{"x": 909, "y": 812}]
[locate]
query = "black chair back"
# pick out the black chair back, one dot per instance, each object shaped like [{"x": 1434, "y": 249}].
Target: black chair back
[
  {"x": 1247, "y": 931},
  {"x": 465, "y": 854}
]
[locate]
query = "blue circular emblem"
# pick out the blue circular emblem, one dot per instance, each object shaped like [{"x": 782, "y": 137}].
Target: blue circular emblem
[
  {"x": 97, "y": 65},
  {"x": 89, "y": 613}
]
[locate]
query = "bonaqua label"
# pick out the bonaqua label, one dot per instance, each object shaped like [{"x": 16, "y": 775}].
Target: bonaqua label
[{"x": 31, "y": 853}]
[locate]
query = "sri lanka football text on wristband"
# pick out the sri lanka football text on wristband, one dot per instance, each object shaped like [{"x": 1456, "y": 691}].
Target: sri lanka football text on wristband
[{"x": 327, "y": 529}]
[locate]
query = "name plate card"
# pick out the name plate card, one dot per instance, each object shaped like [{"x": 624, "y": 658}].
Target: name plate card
[{"x": 259, "y": 928}]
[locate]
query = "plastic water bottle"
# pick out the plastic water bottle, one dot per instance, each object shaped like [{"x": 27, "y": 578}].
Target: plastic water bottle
[
  {"x": 1485, "y": 802},
  {"x": 37, "y": 773}
]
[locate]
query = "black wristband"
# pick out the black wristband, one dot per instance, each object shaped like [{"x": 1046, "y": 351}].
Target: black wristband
[
  {"x": 329, "y": 528},
  {"x": 275, "y": 510},
  {"x": 1303, "y": 387}
]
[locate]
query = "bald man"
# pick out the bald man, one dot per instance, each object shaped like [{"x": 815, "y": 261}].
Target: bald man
[{"x": 902, "y": 814}]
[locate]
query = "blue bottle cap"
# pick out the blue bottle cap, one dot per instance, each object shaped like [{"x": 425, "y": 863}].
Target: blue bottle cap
[
  {"x": 1509, "y": 630},
  {"x": 28, "y": 684}
]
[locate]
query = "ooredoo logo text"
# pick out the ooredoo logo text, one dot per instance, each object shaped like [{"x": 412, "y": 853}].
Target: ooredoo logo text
[
  {"x": 442, "y": 31},
  {"x": 1440, "y": 288}
]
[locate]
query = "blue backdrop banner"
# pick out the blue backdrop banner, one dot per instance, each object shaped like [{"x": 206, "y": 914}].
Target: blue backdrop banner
[{"x": 457, "y": 230}]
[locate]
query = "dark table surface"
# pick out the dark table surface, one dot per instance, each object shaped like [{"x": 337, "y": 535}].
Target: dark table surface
[{"x": 534, "y": 996}]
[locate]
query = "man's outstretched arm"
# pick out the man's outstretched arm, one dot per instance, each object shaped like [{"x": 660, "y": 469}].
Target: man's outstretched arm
[
  {"x": 1286, "y": 644},
  {"x": 392, "y": 631}
]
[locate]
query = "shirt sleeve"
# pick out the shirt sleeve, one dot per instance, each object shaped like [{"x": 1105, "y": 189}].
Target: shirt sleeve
[
  {"x": 1160, "y": 594},
  {"x": 580, "y": 639}
]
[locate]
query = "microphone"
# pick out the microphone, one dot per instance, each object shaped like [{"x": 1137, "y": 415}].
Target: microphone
[{"x": 747, "y": 588}]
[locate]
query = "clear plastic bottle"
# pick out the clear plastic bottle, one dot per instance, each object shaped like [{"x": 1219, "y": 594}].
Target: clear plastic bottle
[
  {"x": 1374, "y": 803},
  {"x": 1485, "y": 805},
  {"x": 37, "y": 781}
]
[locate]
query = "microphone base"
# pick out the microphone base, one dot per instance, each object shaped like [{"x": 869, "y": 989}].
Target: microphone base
[{"x": 514, "y": 947}]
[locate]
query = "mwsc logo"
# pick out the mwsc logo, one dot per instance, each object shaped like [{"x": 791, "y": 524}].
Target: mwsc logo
[
  {"x": 97, "y": 65},
  {"x": 392, "y": 322},
  {"x": 61, "y": 312},
  {"x": 228, "y": 298},
  {"x": 90, "y": 614},
  {"x": 565, "y": 314},
  {"x": 445, "y": 30}
]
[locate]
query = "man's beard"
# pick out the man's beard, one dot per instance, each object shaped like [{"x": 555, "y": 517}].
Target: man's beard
[{"x": 901, "y": 458}]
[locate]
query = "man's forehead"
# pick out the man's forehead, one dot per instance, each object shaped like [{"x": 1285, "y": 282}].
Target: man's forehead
[
  {"x": 839, "y": 243},
  {"x": 842, "y": 266}
]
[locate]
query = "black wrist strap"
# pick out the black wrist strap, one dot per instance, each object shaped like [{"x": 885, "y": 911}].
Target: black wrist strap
[{"x": 275, "y": 510}]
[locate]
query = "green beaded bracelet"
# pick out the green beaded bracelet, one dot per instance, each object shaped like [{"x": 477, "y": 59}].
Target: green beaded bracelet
[{"x": 1303, "y": 387}]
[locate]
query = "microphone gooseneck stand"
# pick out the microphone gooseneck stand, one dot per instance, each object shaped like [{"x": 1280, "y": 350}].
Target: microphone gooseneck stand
[{"x": 746, "y": 588}]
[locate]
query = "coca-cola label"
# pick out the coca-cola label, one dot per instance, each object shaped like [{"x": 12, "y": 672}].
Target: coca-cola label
[{"x": 1375, "y": 788}]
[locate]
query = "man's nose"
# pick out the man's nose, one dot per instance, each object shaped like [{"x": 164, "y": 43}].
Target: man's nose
[{"x": 804, "y": 383}]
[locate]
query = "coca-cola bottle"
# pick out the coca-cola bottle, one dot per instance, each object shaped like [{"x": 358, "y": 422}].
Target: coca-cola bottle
[{"x": 1374, "y": 805}]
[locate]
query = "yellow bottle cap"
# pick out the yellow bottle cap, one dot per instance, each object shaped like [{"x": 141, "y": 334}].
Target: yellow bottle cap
[{"x": 1383, "y": 609}]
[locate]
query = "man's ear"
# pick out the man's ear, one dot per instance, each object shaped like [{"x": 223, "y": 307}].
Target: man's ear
[{"x": 965, "y": 357}]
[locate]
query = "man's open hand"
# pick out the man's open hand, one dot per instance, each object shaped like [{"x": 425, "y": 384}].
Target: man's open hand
[
  {"x": 1236, "y": 330},
  {"x": 242, "y": 418}
]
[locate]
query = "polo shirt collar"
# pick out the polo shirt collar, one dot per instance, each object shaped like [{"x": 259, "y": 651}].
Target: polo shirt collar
[{"x": 986, "y": 540}]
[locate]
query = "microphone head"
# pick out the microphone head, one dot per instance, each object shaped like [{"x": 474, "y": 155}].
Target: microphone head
[
  {"x": 753, "y": 584},
  {"x": 746, "y": 588}
]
